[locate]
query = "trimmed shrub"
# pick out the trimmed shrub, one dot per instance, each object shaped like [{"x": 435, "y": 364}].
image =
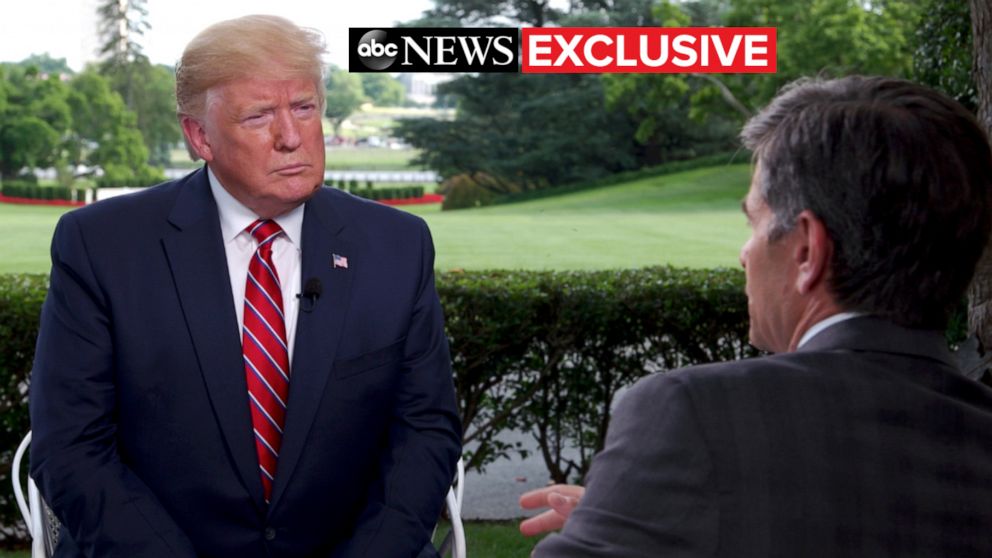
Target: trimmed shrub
[
  {"x": 30, "y": 190},
  {"x": 462, "y": 191},
  {"x": 539, "y": 351},
  {"x": 120, "y": 178},
  {"x": 545, "y": 352},
  {"x": 20, "y": 307}
]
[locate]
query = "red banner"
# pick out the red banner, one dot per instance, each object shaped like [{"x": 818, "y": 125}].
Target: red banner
[{"x": 576, "y": 50}]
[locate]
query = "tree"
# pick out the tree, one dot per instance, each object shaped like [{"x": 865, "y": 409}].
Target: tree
[
  {"x": 980, "y": 293},
  {"x": 147, "y": 89},
  {"x": 34, "y": 117},
  {"x": 523, "y": 132},
  {"x": 943, "y": 51},
  {"x": 104, "y": 130},
  {"x": 344, "y": 96},
  {"x": 47, "y": 65},
  {"x": 815, "y": 38},
  {"x": 488, "y": 12},
  {"x": 661, "y": 104},
  {"x": 120, "y": 24},
  {"x": 149, "y": 92},
  {"x": 539, "y": 13},
  {"x": 383, "y": 89}
]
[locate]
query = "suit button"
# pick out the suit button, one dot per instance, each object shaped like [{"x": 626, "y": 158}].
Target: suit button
[{"x": 270, "y": 533}]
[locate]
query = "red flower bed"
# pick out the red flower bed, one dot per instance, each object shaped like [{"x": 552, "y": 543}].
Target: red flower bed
[
  {"x": 31, "y": 201},
  {"x": 426, "y": 198}
]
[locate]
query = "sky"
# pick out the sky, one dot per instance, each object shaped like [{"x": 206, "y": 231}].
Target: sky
[{"x": 67, "y": 28}]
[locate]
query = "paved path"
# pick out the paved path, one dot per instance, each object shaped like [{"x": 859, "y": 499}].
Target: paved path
[{"x": 494, "y": 495}]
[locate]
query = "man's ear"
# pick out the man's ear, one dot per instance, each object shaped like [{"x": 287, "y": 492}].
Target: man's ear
[
  {"x": 196, "y": 137},
  {"x": 813, "y": 251}
]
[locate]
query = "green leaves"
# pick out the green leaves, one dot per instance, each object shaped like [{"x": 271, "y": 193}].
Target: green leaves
[
  {"x": 545, "y": 352},
  {"x": 344, "y": 96}
]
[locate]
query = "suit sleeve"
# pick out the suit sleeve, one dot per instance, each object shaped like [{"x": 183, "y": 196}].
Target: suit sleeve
[
  {"x": 649, "y": 492},
  {"x": 424, "y": 437},
  {"x": 104, "y": 507}
]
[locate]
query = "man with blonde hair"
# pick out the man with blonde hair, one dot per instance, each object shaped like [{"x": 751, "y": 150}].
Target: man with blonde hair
[{"x": 241, "y": 362}]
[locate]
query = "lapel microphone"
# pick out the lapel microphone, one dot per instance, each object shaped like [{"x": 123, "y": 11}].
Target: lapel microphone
[{"x": 311, "y": 292}]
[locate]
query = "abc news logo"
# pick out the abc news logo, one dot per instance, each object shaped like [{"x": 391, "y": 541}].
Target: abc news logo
[{"x": 425, "y": 49}]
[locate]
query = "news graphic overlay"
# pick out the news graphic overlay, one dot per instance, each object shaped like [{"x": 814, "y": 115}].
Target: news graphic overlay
[
  {"x": 683, "y": 50},
  {"x": 433, "y": 49}
]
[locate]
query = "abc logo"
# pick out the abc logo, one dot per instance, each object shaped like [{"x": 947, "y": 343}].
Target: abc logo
[{"x": 374, "y": 52}]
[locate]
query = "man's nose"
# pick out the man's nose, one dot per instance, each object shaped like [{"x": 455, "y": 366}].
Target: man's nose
[
  {"x": 742, "y": 256},
  {"x": 286, "y": 131}
]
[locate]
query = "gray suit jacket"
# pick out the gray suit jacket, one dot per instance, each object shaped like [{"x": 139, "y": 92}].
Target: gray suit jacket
[{"x": 866, "y": 442}]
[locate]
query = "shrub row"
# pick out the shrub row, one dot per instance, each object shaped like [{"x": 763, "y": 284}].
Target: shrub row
[
  {"x": 20, "y": 305},
  {"x": 150, "y": 177},
  {"x": 397, "y": 193},
  {"x": 25, "y": 189},
  {"x": 541, "y": 352},
  {"x": 545, "y": 352}
]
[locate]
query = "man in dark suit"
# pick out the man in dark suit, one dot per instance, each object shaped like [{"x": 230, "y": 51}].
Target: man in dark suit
[
  {"x": 869, "y": 207},
  {"x": 184, "y": 401}
]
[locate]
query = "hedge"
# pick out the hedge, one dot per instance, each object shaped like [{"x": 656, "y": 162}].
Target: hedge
[
  {"x": 545, "y": 352},
  {"x": 20, "y": 305},
  {"x": 25, "y": 189},
  {"x": 386, "y": 193},
  {"x": 542, "y": 352}
]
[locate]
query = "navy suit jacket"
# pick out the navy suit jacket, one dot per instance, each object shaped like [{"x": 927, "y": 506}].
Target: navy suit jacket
[
  {"x": 142, "y": 440},
  {"x": 865, "y": 442}
]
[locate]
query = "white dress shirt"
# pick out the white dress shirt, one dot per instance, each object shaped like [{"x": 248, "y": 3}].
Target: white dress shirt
[
  {"x": 824, "y": 324},
  {"x": 240, "y": 247}
]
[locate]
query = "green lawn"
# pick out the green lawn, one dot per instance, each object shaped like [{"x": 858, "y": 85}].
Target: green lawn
[
  {"x": 490, "y": 539},
  {"x": 688, "y": 219},
  {"x": 27, "y": 233},
  {"x": 369, "y": 158},
  {"x": 338, "y": 158},
  {"x": 483, "y": 539}
]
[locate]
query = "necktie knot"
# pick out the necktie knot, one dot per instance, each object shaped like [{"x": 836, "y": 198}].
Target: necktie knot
[{"x": 264, "y": 231}]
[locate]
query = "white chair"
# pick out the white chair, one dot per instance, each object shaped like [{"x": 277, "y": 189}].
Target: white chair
[
  {"x": 456, "y": 538},
  {"x": 43, "y": 527}
]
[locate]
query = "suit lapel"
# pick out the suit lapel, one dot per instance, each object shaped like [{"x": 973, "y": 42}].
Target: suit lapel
[
  {"x": 317, "y": 332},
  {"x": 199, "y": 268}
]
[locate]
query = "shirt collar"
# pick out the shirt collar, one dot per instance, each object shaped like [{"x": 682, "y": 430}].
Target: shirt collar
[
  {"x": 235, "y": 217},
  {"x": 824, "y": 324}
]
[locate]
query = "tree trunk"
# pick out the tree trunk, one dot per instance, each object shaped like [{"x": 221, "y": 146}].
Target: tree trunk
[{"x": 980, "y": 293}]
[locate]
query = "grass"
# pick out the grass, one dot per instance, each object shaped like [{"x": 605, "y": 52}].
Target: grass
[
  {"x": 27, "y": 233},
  {"x": 490, "y": 539},
  {"x": 483, "y": 539},
  {"x": 338, "y": 158},
  {"x": 689, "y": 219},
  {"x": 369, "y": 158}
]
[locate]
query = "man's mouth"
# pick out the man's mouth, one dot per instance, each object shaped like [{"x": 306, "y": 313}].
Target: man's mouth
[{"x": 290, "y": 170}]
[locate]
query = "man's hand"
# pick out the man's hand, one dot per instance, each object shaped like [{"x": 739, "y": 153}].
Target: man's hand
[{"x": 561, "y": 498}]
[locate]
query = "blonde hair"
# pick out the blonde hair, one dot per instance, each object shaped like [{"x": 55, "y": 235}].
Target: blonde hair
[{"x": 263, "y": 46}]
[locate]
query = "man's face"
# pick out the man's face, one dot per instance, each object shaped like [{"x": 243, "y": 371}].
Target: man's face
[
  {"x": 771, "y": 276},
  {"x": 263, "y": 140}
]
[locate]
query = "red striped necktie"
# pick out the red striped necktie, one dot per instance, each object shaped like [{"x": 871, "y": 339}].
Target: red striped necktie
[{"x": 266, "y": 356}]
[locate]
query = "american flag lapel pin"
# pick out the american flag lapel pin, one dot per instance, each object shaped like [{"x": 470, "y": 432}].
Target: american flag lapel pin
[{"x": 338, "y": 261}]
